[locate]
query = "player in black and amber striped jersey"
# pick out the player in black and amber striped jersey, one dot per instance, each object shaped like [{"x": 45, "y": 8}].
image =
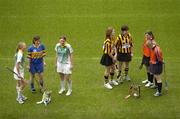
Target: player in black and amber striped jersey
[
  {"x": 124, "y": 45},
  {"x": 108, "y": 59}
]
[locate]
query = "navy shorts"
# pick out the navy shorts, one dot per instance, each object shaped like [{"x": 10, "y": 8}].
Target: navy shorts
[{"x": 36, "y": 68}]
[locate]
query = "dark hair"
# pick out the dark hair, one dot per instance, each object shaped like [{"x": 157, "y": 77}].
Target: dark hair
[
  {"x": 35, "y": 38},
  {"x": 124, "y": 28},
  {"x": 150, "y": 33},
  {"x": 109, "y": 32},
  {"x": 63, "y": 37}
]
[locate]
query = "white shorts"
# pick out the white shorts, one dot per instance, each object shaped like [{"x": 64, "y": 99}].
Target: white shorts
[
  {"x": 21, "y": 71},
  {"x": 64, "y": 68}
]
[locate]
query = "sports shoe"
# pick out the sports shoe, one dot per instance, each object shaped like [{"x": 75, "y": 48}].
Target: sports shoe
[
  {"x": 127, "y": 78},
  {"x": 20, "y": 101},
  {"x": 157, "y": 94},
  {"x": 113, "y": 82},
  {"x": 108, "y": 86},
  {"x": 153, "y": 86},
  {"x": 33, "y": 90},
  {"x": 69, "y": 93},
  {"x": 148, "y": 84},
  {"x": 41, "y": 90},
  {"x": 61, "y": 91},
  {"x": 120, "y": 80},
  {"x": 145, "y": 81},
  {"x": 24, "y": 98}
]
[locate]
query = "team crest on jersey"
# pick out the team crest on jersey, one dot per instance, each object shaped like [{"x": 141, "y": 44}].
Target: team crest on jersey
[{"x": 34, "y": 50}]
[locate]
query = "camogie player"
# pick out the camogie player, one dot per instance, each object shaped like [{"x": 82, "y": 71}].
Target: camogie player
[
  {"x": 19, "y": 69},
  {"x": 36, "y": 54},
  {"x": 124, "y": 46},
  {"x": 146, "y": 59},
  {"x": 156, "y": 64},
  {"x": 112, "y": 81},
  {"x": 108, "y": 59},
  {"x": 64, "y": 64}
]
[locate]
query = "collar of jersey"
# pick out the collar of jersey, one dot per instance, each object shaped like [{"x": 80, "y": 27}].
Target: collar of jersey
[
  {"x": 35, "y": 46},
  {"x": 63, "y": 45}
]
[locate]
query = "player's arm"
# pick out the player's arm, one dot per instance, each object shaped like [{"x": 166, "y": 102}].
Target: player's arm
[
  {"x": 132, "y": 46},
  {"x": 71, "y": 59},
  {"x": 115, "y": 51},
  {"x": 56, "y": 56},
  {"x": 43, "y": 54},
  {"x": 71, "y": 56},
  {"x": 29, "y": 57},
  {"x": 55, "y": 61}
]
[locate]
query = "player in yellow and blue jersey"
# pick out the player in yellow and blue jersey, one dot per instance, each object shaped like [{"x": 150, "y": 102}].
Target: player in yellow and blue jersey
[{"x": 36, "y": 54}]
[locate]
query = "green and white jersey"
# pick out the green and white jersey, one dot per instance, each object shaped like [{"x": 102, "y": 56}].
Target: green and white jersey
[
  {"x": 63, "y": 53},
  {"x": 19, "y": 58}
]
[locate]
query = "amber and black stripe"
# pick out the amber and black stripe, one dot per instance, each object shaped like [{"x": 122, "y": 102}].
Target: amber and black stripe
[
  {"x": 107, "y": 47},
  {"x": 124, "y": 44}
]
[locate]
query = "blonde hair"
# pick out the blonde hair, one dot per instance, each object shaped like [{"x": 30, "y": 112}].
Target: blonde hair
[
  {"x": 109, "y": 32},
  {"x": 19, "y": 46}
]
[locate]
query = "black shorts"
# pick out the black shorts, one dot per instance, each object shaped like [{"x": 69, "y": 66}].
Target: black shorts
[
  {"x": 156, "y": 68},
  {"x": 106, "y": 60},
  {"x": 146, "y": 60},
  {"x": 124, "y": 57}
]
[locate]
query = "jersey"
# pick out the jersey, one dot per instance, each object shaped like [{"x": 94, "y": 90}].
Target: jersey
[
  {"x": 124, "y": 44},
  {"x": 107, "y": 47},
  {"x": 36, "y": 54},
  {"x": 63, "y": 52},
  {"x": 146, "y": 49},
  {"x": 156, "y": 55},
  {"x": 19, "y": 58}
]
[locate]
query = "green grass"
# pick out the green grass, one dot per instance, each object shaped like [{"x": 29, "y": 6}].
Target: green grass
[{"x": 84, "y": 22}]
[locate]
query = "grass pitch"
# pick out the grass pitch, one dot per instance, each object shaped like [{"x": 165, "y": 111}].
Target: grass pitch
[{"x": 84, "y": 22}]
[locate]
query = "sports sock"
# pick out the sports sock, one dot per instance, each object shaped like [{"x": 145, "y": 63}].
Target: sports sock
[
  {"x": 32, "y": 85},
  {"x": 126, "y": 71},
  {"x": 69, "y": 85},
  {"x": 155, "y": 81},
  {"x": 19, "y": 92},
  {"x": 62, "y": 84},
  {"x": 106, "y": 79},
  {"x": 151, "y": 78},
  {"x": 112, "y": 76},
  {"x": 119, "y": 74},
  {"x": 41, "y": 83},
  {"x": 159, "y": 87}
]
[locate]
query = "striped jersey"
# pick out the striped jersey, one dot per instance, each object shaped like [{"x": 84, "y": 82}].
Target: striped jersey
[
  {"x": 107, "y": 47},
  {"x": 36, "y": 54},
  {"x": 124, "y": 44}
]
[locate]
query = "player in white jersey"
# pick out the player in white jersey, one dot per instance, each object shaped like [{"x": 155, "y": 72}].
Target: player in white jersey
[
  {"x": 19, "y": 70},
  {"x": 64, "y": 64}
]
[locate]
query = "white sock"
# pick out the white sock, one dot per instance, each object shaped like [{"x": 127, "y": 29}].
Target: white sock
[
  {"x": 62, "y": 84},
  {"x": 19, "y": 92},
  {"x": 69, "y": 85}
]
